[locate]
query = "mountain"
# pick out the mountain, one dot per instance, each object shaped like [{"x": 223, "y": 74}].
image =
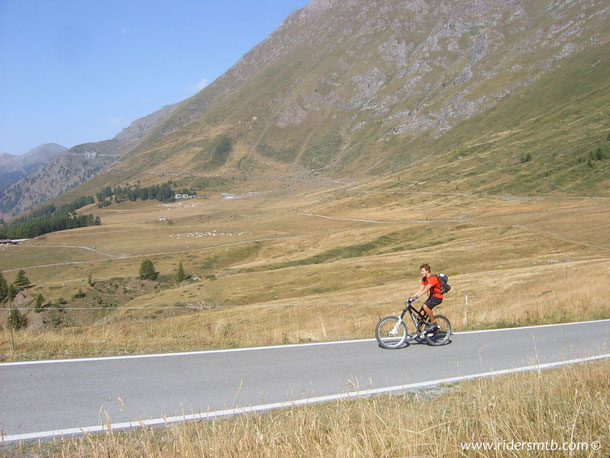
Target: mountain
[
  {"x": 128, "y": 137},
  {"x": 13, "y": 168},
  {"x": 75, "y": 166},
  {"x": 58, "y": 176},
  {"x": 490, "y": 96},
  {"x": 514, "y": 95}
]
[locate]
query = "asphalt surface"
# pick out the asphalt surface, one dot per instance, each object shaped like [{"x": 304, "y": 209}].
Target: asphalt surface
[{"x": 58, "y": 395}]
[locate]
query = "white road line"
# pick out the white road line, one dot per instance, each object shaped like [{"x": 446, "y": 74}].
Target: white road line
[
  {"x": 268, "y": 347},
  {"x": 531, "y": 327},
  {"x": 280, "y": 405}
]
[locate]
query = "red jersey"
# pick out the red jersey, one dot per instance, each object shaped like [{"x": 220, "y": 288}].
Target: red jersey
[{"x": 435, "y": 289}]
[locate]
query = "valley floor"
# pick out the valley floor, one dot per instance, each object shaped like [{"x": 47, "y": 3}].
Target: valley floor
[{"x": 303, "y": 261}]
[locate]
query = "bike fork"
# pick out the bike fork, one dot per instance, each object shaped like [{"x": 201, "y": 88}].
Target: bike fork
[{"x": 395, "y": 330}]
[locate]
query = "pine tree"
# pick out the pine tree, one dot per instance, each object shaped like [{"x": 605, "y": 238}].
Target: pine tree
[
  {"x": 17, "y": 319},
  {"x": 147, "y": 270},
  {"x": 22, "y": 281},
  {"x": 599, "y": 155},
  {"x": 38, "y": 305},
  {"x": 11, "y": 292},
  {"x": 3, "y": 289},
  {"x": 180, "y": 276}
]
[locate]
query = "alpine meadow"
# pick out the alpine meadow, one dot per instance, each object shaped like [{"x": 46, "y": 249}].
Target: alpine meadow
[{"x": 293, "y": 199}]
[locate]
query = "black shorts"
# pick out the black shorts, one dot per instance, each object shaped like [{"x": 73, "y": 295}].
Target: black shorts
[{"x": 433, "y": 302}]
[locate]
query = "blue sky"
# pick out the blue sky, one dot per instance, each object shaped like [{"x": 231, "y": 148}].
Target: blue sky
[{"x": 75, "y": 71}]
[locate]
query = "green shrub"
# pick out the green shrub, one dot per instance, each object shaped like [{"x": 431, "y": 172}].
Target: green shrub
[
  {"x": 79, "y": 295},
  {"x": 221, "y": 148},
  {"x": 147, "y": 270},
  {"x": 11, "y": 292},
  {"x": 38, "y": 304},
  {"x": 599, "y": 155},
  {"x": 17, "y": 319},
  {"x": 22, "y": 281},
  {"x": 3, "y": 289},
  {"x": 180, "y": 275}
]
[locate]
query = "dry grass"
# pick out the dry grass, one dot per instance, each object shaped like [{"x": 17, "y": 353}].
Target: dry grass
[
  {"x": 313, "y": 279},
  {"x": 341, "y": 315},
  {"x": 570, "y": 404}
]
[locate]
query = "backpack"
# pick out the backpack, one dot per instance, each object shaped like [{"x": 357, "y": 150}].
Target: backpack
[{"x": 442, "y": 279}]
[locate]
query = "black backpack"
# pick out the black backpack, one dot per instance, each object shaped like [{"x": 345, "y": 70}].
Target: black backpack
[{"x": 442, "y": 279}]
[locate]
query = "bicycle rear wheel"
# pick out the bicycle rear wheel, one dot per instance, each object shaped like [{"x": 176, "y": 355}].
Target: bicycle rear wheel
[
  {"x": 390, "y": 333},
  {"x": 442, "y": 334}
]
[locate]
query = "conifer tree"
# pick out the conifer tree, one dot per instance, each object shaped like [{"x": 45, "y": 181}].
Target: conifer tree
[
  {"x": 147, "y": 270},
  {"x": 180, "y": 276},
  {"x": 3, "y": 289},
  {"x": 17, "y": 319},
  {"x": 38, "y": 305},
  {"x": 11, "y": 292},
  {"x": 22, "y": 281}
]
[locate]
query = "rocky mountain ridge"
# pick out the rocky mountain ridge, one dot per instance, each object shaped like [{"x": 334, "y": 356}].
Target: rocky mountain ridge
[
  {"x": 347, "y": 86},
  {"x": 69, "y": 168},
  {"x": 13, "y": 168},
  {"x": 513, "y": 94}
]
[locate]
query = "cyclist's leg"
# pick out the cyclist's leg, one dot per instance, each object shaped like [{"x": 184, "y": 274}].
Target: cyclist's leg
[
  {"x": 422, "y": 313},
  {"x": 428, "y": 312},
  {"x": 429, "y": 305}
]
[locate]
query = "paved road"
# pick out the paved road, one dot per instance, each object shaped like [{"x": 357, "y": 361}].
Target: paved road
[{"x": 58, "y": 395}]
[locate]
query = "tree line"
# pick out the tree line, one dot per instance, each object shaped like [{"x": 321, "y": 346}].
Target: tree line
[
  {"x": 8, "y": 292},
  {"x": 52, "y": 210},
  {"x": 50, "y": 218},
  {"x": 40, "y": 226},
  {"x": 162, "y": 193}
]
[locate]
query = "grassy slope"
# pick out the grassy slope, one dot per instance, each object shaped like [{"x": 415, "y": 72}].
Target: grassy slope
[
  {"x": 284, "y": 256},
  {"x": 558, "y": 120},
  {"x": 316, "y": 279},
  {"x": 279, "y": 264}
]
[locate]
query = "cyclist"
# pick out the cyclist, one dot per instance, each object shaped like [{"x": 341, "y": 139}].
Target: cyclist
[{"x": 431, "y": 285}]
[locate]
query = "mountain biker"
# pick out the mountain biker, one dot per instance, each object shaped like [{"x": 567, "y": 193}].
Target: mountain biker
[{"x": 431, "y": 285}]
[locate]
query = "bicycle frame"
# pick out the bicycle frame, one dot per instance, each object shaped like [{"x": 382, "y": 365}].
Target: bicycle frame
[
  {"x": 415, "y": 316},
  {"x": 392, "y": 331}
]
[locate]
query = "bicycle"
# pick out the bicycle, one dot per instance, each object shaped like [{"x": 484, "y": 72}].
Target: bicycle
[{"x": 392, "y": 331}]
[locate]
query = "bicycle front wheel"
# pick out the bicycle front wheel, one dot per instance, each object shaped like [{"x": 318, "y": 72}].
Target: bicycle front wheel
[
  {"x": 442, "y": 334},
  {"x": 391, "y": 332}
]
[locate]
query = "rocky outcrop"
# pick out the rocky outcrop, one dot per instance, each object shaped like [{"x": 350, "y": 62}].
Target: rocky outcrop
[
  {"x": 341, "y": 81},
  {"x": 65, "y": 169},
  {"x": 56, "y": 177},
  {"x": 13, "y": 168}
]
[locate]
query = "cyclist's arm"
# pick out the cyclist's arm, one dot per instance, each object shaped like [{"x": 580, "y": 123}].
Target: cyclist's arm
[{"x": 423, "y": 290}]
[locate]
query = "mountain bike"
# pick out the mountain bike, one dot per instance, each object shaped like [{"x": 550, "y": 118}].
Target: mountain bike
[{"x": 393, "y": 331}]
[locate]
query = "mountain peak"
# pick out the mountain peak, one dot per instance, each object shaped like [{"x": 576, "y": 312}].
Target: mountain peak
[
  {"x": 317, "y": 6},
  {"x": 46, "y": 150}
]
